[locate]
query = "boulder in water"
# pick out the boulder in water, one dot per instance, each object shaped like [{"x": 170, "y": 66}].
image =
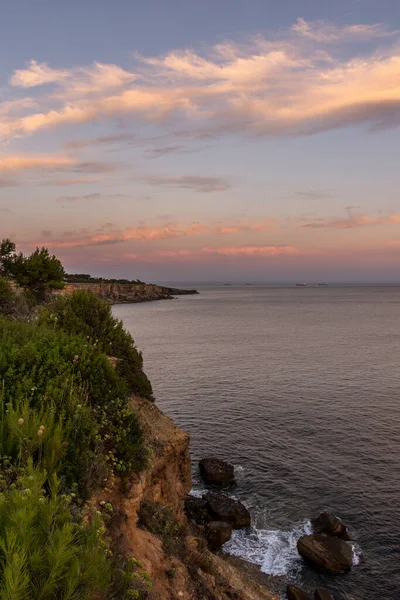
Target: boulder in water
[
  {"x": 322, "y": 594},
  {"x": 295, "y": 593},
  {"x": 330, "y": 525},
  {"x": 224, "y": 508},
  {"x": 327, "y": 552},
  {"x": 216, "y": 472},
  {"x": 218, "y": 533}
]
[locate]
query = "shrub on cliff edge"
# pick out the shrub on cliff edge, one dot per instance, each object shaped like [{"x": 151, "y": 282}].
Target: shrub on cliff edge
[
  {"x": 83, "y": 313},
  {"x": 74, "y": 377}
]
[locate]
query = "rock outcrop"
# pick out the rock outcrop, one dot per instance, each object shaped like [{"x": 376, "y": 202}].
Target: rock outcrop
[
  {"x": 224, "y": 508},
  {"x": 196, "y": 510},
  {"x": 218, "y": 533},
  {"x": 216, "y": 472},
  {"x": 329, "y": 524},
  {"x": 322, "y": 594},
  {"x": 295, "y": 593},
  {"x": 200, "y": 574},
  {"x": 327, "y": 552},
  {"x": 127, "y": 293}
]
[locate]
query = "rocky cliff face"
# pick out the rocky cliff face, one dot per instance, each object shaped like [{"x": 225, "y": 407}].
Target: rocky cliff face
[
  {"x": 197, "y": 573},
  {"x": 124, "y": 293}
]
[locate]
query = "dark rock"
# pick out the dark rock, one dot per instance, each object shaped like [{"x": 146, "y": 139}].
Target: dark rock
[
  {"x": 328, "y": 552},
  {"x": 216, "y": 472},
  {"x": 196, "y": 509},
  {"x": 218, "y": 533},
  {"x": 322, "y": 594},
  {"x": 224, "y": 508},
  {"x": 330, "y": 525},
  {"x": 295, "y": 593}
]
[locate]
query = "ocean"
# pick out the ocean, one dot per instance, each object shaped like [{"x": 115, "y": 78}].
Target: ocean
[{"x": 300, "y": 389}]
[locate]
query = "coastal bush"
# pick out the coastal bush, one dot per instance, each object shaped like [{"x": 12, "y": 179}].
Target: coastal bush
[
  {"x": 83, "y": 313},
  {"x": 44, "y": 552},
  {"x": 38, "y": 273},
  {"x": 74, "y": 379},
  {"x": 6, "y": 297},
  {"x": 13, "y": 305},
  {"x": 160, "y": 521}
]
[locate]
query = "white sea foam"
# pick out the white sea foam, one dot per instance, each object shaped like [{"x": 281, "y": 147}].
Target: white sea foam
[
  {"x": 198, "y": 492},
  {"x": 273, "y": 550},
  {"x": 357, "y": 554}
]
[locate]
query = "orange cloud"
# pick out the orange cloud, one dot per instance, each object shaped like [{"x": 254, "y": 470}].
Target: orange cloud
[
  {"x": 108, "y": 234},
  {"x": 287, "y": 86},
  {"x": 12, "y": 163}
]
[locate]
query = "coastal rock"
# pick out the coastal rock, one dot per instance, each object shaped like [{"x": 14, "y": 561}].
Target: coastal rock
[
  {"x": 196, "y": 509},
  {"x": 216, "y": 472},
  {"x": 295, "y": 593},
  {"x": 330, "y": 525},
  {"x": 218, "y": 533},
  {"x": 322, "y": 594},
  {"x": 224, "y": 508},
  {"x": 328, "y": 552}
]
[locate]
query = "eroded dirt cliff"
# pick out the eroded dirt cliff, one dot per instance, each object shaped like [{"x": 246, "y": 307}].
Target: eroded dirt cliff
[{"x": 189, "y": 571}]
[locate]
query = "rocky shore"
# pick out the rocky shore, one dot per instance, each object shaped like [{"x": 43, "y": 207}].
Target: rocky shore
[
  {"x": 149, "y": 522},
  {"x": 127, "y": 293}
]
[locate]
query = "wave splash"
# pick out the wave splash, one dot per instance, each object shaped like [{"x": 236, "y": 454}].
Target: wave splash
[{"x": 274, "y": 551}]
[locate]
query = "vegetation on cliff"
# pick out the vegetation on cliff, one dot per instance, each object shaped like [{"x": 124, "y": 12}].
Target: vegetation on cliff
[
  {"x": 66, "y": 430},
  {"x": 37, "y": 274}
]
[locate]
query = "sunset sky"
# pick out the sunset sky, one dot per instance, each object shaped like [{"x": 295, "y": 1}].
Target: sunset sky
[{"x": 221, "y": 140}]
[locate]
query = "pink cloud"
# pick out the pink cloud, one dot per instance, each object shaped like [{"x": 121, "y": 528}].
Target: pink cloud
[
  {"x": 351, "y": 222},
  {"x": 232, "y": 251},
  {"x": 109, "y": 235}
]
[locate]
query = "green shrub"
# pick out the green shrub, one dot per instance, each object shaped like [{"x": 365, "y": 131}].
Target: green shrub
[
  {"x": 129, "y": 580},
  {"x": 44, "y": 553},
  {"x": 76, "y": 380},
  {"x": 39, "y": 273},
  {"x": 83, "y": 313},
  {"x": 13, "y": 305},
  {"x": 160, "y": 521}
]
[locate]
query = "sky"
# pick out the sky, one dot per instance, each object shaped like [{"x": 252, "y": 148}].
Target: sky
[{"x": 223, "y": 140}]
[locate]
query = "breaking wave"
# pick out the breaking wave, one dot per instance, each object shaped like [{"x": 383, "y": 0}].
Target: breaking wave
[{"x": 274, "y": 551}]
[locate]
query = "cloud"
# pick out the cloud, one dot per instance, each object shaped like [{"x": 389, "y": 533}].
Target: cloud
[
  {"x": 102, "y": 140},
  {"x": 109, "y": 234},
  {"x": 278, "y": 86},
  {"x": 352, "y": 222},
  {"x": 7, "y": 182},
  {"x": 314, "y": 194},
  {"x": 37, "y": 74},
  {"x": 163, "y": 150},
  {"x": 196, "y": 183},
  {"x": 22, "y": 162},
  {"x": 232, "y": 251},
  {"x": 39, "y": 164},
  {"x": 84, "y": 80},
  {"x": 321, "y": 31},
  {"x": 94, "y": 196},
  {"x": 69, "y": 181}
]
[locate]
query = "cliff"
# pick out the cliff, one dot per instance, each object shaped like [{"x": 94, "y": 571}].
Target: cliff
[
  {"x": 192, "y": 572},
  {"x": 125, "y": 293}
]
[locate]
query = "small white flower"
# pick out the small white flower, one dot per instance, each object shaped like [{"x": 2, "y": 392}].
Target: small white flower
[{"x": 20, "y": 421}]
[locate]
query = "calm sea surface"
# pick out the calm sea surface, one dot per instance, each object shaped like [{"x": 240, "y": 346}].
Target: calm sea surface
[{"x": 300, "y": 389}]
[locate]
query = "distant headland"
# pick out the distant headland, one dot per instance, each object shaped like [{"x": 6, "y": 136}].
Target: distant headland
[{"x": 122, "y": 291}]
